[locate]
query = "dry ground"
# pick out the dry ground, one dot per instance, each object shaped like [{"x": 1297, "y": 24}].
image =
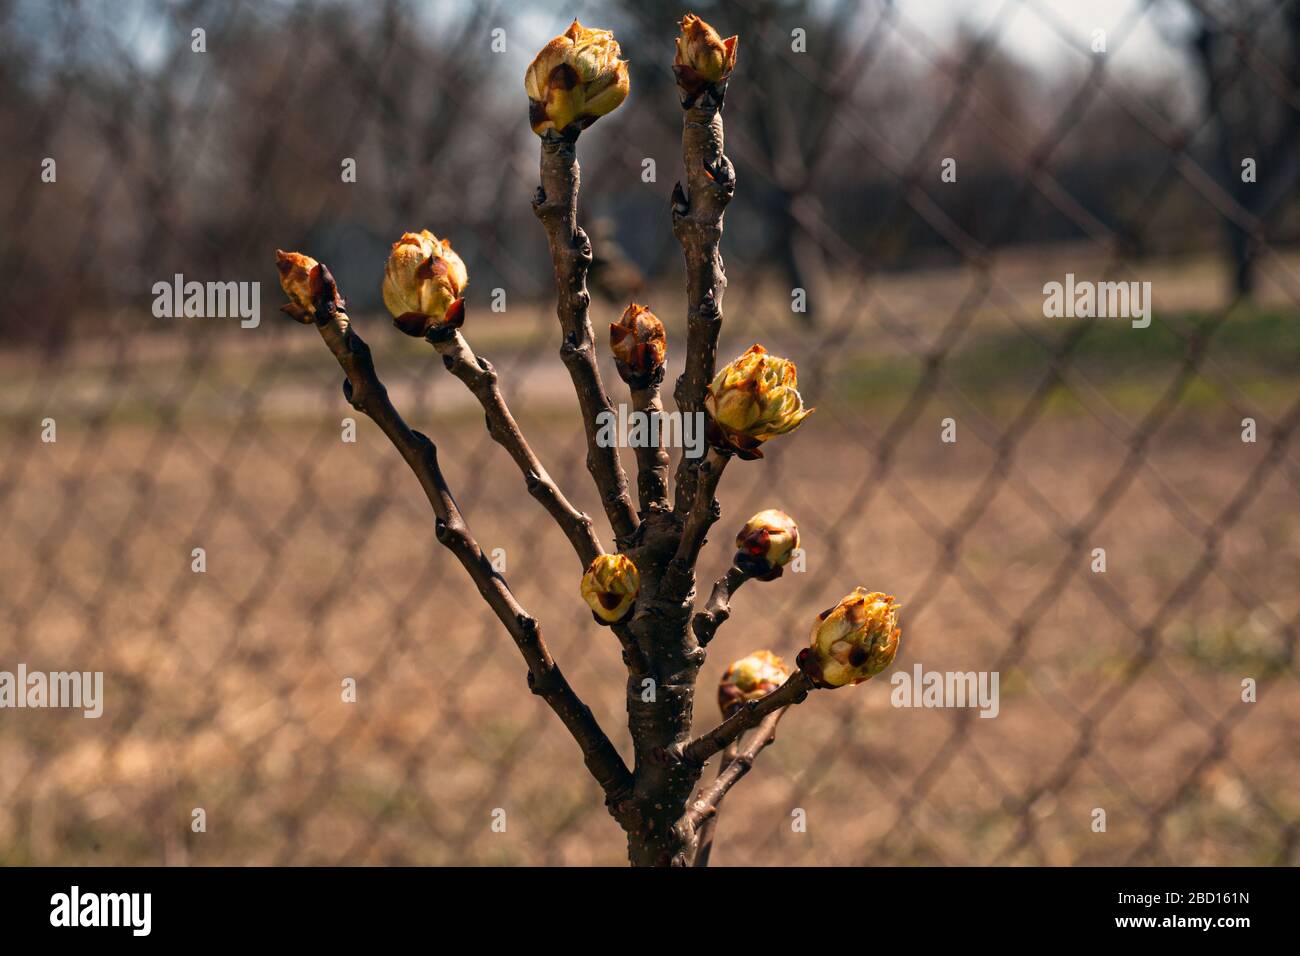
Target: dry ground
[{"x": 1120, "y": 690}]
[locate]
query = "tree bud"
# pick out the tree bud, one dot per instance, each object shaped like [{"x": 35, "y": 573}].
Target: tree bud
[
  {"x": 750, "y": 678},
  {"x": 853, "y": 641},
  {"x": 424, "y": 281},
  {"x": 639, "y": 345},
  {"x": 753, "y": 399},
  {"x": 766, "y": 544},
  {"x": 300, "y": 278},
  {"x": 575, "y": 80},
  {"x": 703, "y": 57},
  {"x": 610, "y": 587}
]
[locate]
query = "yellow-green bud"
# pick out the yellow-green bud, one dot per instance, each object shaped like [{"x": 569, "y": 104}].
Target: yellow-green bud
[
  {"x": 610, "y": 587},
  {"x": 424, "y": 284},
  {"x": 853, "y": 641},
  {"x": 753, "y": 399},
  {"x": 575, "y": 80},
  {"x": 750, "y": 678},
  {"x": 766, "y": 544}
]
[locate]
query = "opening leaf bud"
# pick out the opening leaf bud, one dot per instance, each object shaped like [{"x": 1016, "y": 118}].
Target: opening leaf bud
[
  {"x": 853, "y": 641},
  {"x": 703, "y": 57},
  {"x": 639, "y": 345},
  {"x": 300, "y": 278},
  {"x": 750, "y": 678},
  {"x": 575, "y": 80},
  {"x": 424, "y": 284},
  {"x": 610, "y": 587},
  {"x": 766, "y": 544},
  {"x": 753, "y": 399}
]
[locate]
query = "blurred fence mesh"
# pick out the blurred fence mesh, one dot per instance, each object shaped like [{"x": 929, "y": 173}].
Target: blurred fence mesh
[{"x": 1120, "y": 690}]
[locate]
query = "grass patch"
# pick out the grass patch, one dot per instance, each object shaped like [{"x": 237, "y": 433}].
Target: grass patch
[{"x": 1258, "y": 349}]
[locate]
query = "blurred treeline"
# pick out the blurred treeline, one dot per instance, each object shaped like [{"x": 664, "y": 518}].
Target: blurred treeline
[{"x": 171, "y": 160}]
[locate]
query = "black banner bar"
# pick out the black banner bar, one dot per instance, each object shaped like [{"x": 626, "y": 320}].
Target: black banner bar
[{"x": 208, "y": 905}]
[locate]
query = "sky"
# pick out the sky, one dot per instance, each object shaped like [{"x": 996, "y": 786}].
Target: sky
[
  {"x": 1142, "y": 35},
  {"x": 1139, "y": 33}
]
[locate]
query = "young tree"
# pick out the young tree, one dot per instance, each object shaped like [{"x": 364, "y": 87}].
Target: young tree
[{"x": 644, "y": 588}]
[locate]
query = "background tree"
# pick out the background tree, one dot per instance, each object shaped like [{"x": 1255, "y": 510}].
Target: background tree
[{"x": 1248, "y": 55}]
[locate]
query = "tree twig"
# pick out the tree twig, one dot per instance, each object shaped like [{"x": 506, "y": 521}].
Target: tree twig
[
  {"x": 651, "y": 458},
  {"x": 718, "y": 609},
  {"x": 793, "y": 691},
  {"x": 679, "y": 578},
  {"x": 709, "y": 826},
  {"x": 556, "y": 206},
  {"x": 703, "y": 810},
  {"x": 481, "y": 379},
  {"x": 366, "y": 393},
  {"x": 697, "y": 214}
]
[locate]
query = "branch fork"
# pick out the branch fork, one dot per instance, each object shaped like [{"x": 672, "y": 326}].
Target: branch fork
[{"x": 645, "y": 589}]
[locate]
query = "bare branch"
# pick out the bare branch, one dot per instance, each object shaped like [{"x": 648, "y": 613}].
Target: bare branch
[
  {"x": 556, "y": 205},
  {"x": 709, "y": 826},
  {"x": 703, "y": 810},
  {"x": 651, "y": 459},
  {"x": 718, "y": 609},
  {"x": 697, "y": 222},
  {"x": 366, "y": 393},
  {"x": 680, "y": 575},
  {"x": 793, "y": 691},
  {"x": 635, "y": 660},
  {"x": 481, "y": 379}
]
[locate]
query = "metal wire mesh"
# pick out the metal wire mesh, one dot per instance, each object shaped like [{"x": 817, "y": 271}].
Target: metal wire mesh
[{"x": 1120, "y": 690}]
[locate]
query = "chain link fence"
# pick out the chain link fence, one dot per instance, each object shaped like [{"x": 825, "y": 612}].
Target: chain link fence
[{"x": 1101, "y": 513}]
